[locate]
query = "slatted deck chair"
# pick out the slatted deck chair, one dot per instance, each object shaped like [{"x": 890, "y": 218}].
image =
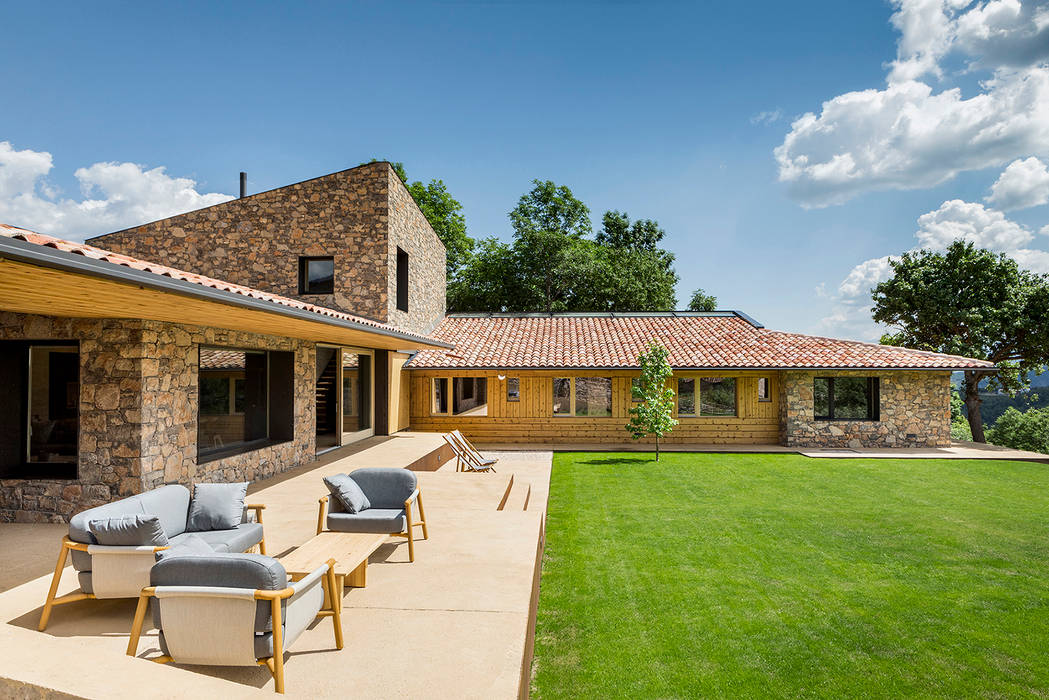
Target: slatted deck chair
[
  {"x": 470, "y": 459},
  {"x": 232, "y": 610}
]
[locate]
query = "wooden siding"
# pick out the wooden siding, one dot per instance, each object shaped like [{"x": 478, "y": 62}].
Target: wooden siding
[{"x": 531, "y": 419}]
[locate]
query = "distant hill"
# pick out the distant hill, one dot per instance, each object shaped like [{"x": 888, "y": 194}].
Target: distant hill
[{"x": 994, "y": 405}]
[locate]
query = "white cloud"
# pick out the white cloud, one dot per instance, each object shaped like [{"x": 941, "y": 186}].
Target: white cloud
[
  {"x": 1025, "y": 183},
  {"x": 956, "y": 220},
  {"x": 113, "y": 196},
  {"x": 865, "y": 276},
  {"x": 908, "y": 135},
  {"x": 767, "y": 118}
]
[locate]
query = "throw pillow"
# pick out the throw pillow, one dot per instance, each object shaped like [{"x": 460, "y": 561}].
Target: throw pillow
[
  {"x": 189, "y": 546},
  {"x": 129, "y": 530},
  {"x": 216, "y": 507},
  {"x": 347, "y": 492}
]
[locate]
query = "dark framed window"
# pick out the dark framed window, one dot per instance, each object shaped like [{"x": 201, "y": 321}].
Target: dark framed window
[
  {"x": 39, "y": 409},
  {"x": 440, "y": 395},
  {"x": 402, "y": 280},
  {"x": 593, "y": 397},
  {"x": 470, "y": 395},
  {"x": 846, "y": 398},
  {"x": 513, "y": 389},
  {"x": 562, "y": 396},
  {"x": 245, "y": 401},
  {"x": 763, "y": 389},
  {"x": 317, "y": 275},
  {"x": 686, "y": 396},
  {"x": 717, "y": 396}
]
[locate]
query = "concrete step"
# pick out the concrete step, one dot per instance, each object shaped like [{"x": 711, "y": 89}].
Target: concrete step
[{"x": 519, "y": 496}]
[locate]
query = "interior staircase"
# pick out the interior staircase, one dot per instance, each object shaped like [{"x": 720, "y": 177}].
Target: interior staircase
[{"x": 327, "y": 401}]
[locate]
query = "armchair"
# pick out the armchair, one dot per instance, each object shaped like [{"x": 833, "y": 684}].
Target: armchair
[
  {"x": 392, "y": 494},
  {"x": 232, "y": 610}
]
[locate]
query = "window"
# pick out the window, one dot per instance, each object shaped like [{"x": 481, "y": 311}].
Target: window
[
  {"x": 763, "y": 389},
  {"x": 846, "y": 398},
  {"x": 562, "y": 396},
  {"x": 39, "y": 409},
  {"x": 593, "y": 397},
  {"x": 717, "y": 396},
  {"x": 583, "y": 397},
  {"x": 686, "y": 396},
  {"x": 246, "y": 401},
  {"x": 440, "y": 395},
  {"x": 513, "y": 389},
  {"x": 402, "y": 280},
  {"x": 468, "y": 396},
  {"x": 317, "y": 275},
  {"x": 635, "y": 390}
]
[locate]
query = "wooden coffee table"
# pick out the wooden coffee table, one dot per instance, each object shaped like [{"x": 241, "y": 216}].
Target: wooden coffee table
[{"x": 350, "y": 550}]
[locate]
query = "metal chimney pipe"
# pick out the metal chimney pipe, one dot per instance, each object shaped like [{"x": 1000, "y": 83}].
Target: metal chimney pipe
[{"x": 243, "y": 184}]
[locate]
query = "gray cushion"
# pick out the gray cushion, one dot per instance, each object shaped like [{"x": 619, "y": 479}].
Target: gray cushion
[
  {"x": 85, "y": 581},
  {"x": 170, "y": 503},
  {"x": 348, "y": 492},
  {"x": 129, "y": 530},
  {"x": 188, "y": 546},
  {"x": 377, "y": 520},
  {"x": 253, "y": 571},
  {"x": 216, "y": 506},
  {"x": 238, "y": 539},
  {"x": 385, "y": 487},
  {"x": 263, "y": 644}
]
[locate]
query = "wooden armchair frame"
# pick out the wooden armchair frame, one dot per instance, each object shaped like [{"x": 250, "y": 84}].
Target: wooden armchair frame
[
  {"x": 274, "y": 663},
  {"x": 416, "y": 497},
  {"x": 63, "y": 556}
]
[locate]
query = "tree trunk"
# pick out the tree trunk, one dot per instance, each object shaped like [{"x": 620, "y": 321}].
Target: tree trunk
[
  {"x": 657, "y": 448},
  {"x": 972, "y": 405}
]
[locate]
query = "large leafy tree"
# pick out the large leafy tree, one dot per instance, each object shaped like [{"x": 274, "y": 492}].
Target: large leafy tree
[
  {"x": 654, "y": 413},
  {"x": 972, "y": 302},
  {"x": 549, "y": 227}
]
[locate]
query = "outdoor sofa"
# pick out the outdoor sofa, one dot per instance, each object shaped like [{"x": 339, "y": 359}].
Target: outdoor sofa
[
  {"x": 386, "y": 506},
  {"x": 119, "y": 566},
  {"x": 231, "y": 610}
]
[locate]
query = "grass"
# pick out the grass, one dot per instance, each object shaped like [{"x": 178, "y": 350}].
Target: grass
[{"x": 778, "y": 575}]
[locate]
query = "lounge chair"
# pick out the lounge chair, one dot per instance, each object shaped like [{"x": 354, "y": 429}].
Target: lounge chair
[
  {"x": 467, "y": 457},
  {"x": 391, "y": 493},
  {"x": 231, "y": 610}
]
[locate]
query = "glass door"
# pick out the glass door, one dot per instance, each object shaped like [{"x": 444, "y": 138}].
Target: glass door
[{"x": 357, "y": 397}]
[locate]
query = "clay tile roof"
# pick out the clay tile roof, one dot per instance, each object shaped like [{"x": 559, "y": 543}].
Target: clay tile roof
[
  {"x": 214, "y": 358},
  {"x": 90, "y": 251},
  {"x": 694, "y": 340}
]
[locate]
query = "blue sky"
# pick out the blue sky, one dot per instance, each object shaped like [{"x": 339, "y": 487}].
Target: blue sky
[{"x": 650, "y": 108}]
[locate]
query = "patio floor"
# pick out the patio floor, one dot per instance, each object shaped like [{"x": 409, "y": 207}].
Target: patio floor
[{"x": 455, "y": 623}]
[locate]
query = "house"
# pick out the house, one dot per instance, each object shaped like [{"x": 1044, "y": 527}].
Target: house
[{"x": 239, "y": 341}]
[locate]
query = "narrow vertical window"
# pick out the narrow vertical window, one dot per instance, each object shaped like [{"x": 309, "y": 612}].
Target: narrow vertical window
[
  {"x": 686, "y": 396},
  {"x": 763, "y": 389},
  {"x": 440, "y": 395},
  {"x": 513, "y": 389},
  {"x": 402, "y": 280},
  {"x": 562, "y": 396}
]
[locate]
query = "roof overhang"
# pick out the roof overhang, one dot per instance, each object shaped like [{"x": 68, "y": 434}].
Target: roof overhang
[
  {"x": 37, "y": 279},
  {"x": 449, "y": 368}
]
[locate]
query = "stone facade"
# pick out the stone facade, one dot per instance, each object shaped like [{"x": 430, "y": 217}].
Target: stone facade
[
  {"x": 915, "y": 411},
  {"x": 138, "y": 407},
  {"x": 358, "y": 216}
]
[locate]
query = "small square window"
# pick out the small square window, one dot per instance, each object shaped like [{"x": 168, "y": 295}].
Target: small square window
[
  {"x": 513, "y": 389},
  {"x": 317, "y": 275}
]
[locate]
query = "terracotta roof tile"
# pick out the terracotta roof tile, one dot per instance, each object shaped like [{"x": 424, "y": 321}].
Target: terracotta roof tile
[
  {"x": 717, "y": 340},
  {"x": 164, "y": 271}
]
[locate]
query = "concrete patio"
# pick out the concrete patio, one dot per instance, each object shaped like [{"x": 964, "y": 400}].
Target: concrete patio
[{"x": 456, "y": 623}]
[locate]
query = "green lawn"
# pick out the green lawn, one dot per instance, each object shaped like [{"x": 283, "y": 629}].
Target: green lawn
[{"x": 778, "y": 575}]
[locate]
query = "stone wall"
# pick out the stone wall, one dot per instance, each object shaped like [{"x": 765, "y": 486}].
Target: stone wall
[
  {"x": 138, "y": 408},
  {"x": 915, "y": 411},
  {"x": 358, "y": 216},
  {"x": 427, "y": 260}
]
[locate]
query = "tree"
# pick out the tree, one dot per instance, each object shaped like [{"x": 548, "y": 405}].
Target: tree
[
  {"x": 1028, "y": 430},
  {"x": 654, "y": 415},
  {"x": 960, "y": 429},
  {"x": 700, "y": 301},
  {"x": 548, "y": 223},
  {"x": 445, "y": 214},
  {"x": 972, "y": 302},
  {"x": 617, "y": 232}
]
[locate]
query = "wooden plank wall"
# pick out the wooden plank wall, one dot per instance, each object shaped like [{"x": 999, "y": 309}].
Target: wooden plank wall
[{"x": 531, "y": 419}]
